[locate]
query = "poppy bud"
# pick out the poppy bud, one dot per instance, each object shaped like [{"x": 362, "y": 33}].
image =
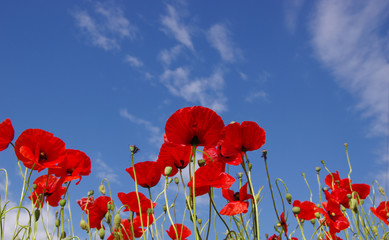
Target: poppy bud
[
  {"x": 90, "y": 193},
  {"x": 164, "y": 208},
  {"x": 134, "y": 149},
  {"x": 318, "y": 169},
  {"x": 302, "y": 220},
  {"x": 323, "y": 162},
  {"x": 116, "y": 220},
  {"x": 289, "y": 198},
  {"x": 232, "y": 122},
  {"x": 201, "y": 162},
  {"x": 278, "y": 225},
  {"x": 318, "y": 205},
  {"x": 108, "y": 217},
  {"x": 343, "y": 208},
  {"x": 149, "y": 211},
  {"x": 250, "y": 165},
  {"x": 102, "y": 189},
  {"x": 83, "y": 224},
  {"x": 240, "y": 175},
  {"x": 168, "y": 171},
  {"x": 382, "y": 191},
  {"x": 63, "y": 235},
  {"x": 34, "y": 186},
  {"x": 169, "y": 181},
  {"x": 345, "y": 144},
  {"x": 109, "y": 206},
  {"x": 62, "y": 202},
  {"x": 37, "y": 213},
  {"x": 176, "y": 180},
  {"x": 375, "y": 230},
  {"x": 303, "y": 174},
  {"x": 387, "y": 215},
  {"x": 296, "y": 210},
  {"x": 264, "y": 154},
  {"x": 325, "y": 188},
  {"x": 317, "y": 215},
  {"x": 313, "y": 221},
  {"x": 199, "y": 221},
  {"x": 101, "y": 233},
  {"x": 57, "y": 222},
  {"x": 349, "y": 196}
]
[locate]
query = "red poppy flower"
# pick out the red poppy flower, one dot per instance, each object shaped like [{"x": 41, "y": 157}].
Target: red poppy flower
[
  {"x": 182, "y": 232},
  {"x": 283, "y": 223},
  {"x": 95, "y": 209},
  {"x": 275, "y": 237},
  {"x": 341, "y": 187},
  {"x": 48, "y": 189},
  {"x": 333, "y": 216},
  {"x": 211, "y": 175},
  {"x": 36, "y": 146},
  {"x": 6, "y": 133},
  {"x": 307, "y": 209},
  {"x": 194, "y": 126},
  {"x": 175, "y": 156},
  {"x": 382, "y": 211},
  {"x": 148, "y": 173},
  {"x": 130, "y": 200},
  {"x": 237, "y": 201},
  {"x": 247, "y": 136},
  {"x": 74, "y": 165},
  {"x": 126, "y": 228},
  {"x": 216, "y": 155}
]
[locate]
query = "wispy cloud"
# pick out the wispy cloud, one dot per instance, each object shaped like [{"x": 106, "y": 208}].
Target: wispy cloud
[
  {"x": 156, "y": 134},
  {"x": 292, "y": 9},
  {"x": 206, "y": 91},
  {"x": 172, "y": 25},
  {"x": 167, "y": 56},
  {"x": 133, "y": 61},
  {"x": 350, "y": 38},
  {"x": 103, "y": 170},
  {"x": 256, "y": 95},
  {"x": 219, "y": 37},
  {"x": 105, "y": 27}
]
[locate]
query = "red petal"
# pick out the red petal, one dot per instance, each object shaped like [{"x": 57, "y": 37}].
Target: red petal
[
  {"x": 148, "y": 173},
  {"x": 6, "y": 133},
  {"x": 235, "y": 207}
]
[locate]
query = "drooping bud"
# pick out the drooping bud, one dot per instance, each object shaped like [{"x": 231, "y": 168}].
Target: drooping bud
[
  {"x": 240, "y": 175},
  {"x": 83, "y": 224},
  {"x": 289, "y": 198},
  {"x": 57, "y": 222},
  {"x": 37, "y": 214},
  {"x": 382, "y": 191},
  {"x": 349, "y": 196},
  {"x": 169, "y": 181},
  {"x": 134, "y": 149},
  {"x": 108, "y": 217},
  {"x": 250, "y": 165},
  {"x": 313, "y": 221},
  {"x": 168, "y": 171},
  {"x": 63, "y": 235},
  {"x": 149, "y": 211},
  {"x": 109, "y": 206},
  {"x": 296, "y": 210},
  {"x": 199, "y": 221},
  {"x": 101, "y": 233},
  {"x": 62, "y": 202},
  {"x": 90, "y": 193},
  {"x": 116, "y": 220},
  {"x": 102, "y": 189},
  {"x": 176, "y": 180},
  {"x": 164, "y": 208},
  {"x": 34, "y": 186},
  {"x": 317, "y": 215}
]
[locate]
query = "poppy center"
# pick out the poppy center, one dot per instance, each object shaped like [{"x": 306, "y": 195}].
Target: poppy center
[
  {"x": 195, "y": 141},
  {"x": 42, "y": 157},
  {"x": 236, "y": 196}
]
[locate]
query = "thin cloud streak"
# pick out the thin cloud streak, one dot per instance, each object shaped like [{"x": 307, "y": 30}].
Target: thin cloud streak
[
  {"x": 348, "y": 38},
  {"x": 133, "y": 61},
  {"x": 103, "y": 170},
  {"x": 220, "y": 39}
]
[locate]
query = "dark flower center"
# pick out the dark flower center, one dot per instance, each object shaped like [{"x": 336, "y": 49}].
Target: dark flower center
[
  {"x": 195, "y": 141},
  {"x": 42, "y": 157},
  {"x": 236, "y": 196}
]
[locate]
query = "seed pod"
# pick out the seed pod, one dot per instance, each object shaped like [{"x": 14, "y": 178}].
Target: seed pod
[
  {"x": 168, "y": 171},
  {"x": 296, "y": 210},
  {"x": 317, "y": 215},
  {"x": 83, "y": 224},
  {"x": 62, "y": 202},
  {"x": 90, "y": 193},
  {"x": 101, "y": 233},
  {"x": 176, "y": 180},
  {"x": 318, "y": 169}
]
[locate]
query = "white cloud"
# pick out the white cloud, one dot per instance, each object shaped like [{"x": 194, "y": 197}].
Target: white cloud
[
  {"x": 292, "y": 9},
  {"x": 243, "y": 76},
  {"x": 260, "y": 94},
  {"x": 106, "y": 28},
  {"x": 133, "y": 61},
  {"x": 156, "y": 134},
  {"x": 219, "y": 37},
  {"x": 351, "y": 39},
  {"x": 206, "y": 91},
  {"x": 172, "y": 25},
  {"x": 167, "y": 56},
  {"x": 103, "y": 170}
]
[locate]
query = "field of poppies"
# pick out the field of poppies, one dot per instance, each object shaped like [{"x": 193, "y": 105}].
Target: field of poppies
[{"x": 196, "y": 142}]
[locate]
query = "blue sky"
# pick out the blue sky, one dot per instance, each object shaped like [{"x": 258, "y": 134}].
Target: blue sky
[{"x": 102, "y": 75}]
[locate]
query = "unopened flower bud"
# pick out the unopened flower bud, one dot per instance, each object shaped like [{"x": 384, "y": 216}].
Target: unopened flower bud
[
  {"x": 168, "y": 171},
  {"x": 169, "y": 181},
  {"x": 34, "y": 186},
  {"x": 302, "y": 220},
  {"x": 101, "y": 233},
  {"x": 57, "y": 222},
  {"x": 240, "y": 175},
  {"x": 232, "y": 122},
  {"x": 63, "y": 235},
  {"x": 250, "y": 165},
  {"x": 345, "y": 144},
  {"x": 109, "y": 206},
  {"x": 343, "y": 208},
  {"x": 102, "y": 189},
  {"x": 264, "y": 154},
  {"x": 108, "y": 217},
  {"x": 37, "y": 214},
  {"x": 164, "y": 208},
  {"x": 349, "y": 196},
  {"x": 375, "y": 230},
  {"x": 199, "y": 221},
  {"x": 289, "y": 198},
  {"x": 149, "y": 211},
  {"x": 313, "y": 221},
  {"x": 317, "y": 215},
  {"x": 382, "y": 191},
  {"x": 62, "y": 202},
  {"x": 318, "y": 169},
  {"x": 83, "y": 224},
  {"x": 278, "y": 224},
  {"x": 325, "y": 188},
  {"x": 323, "y": 162},
  {"x": 134, "y": 149},
  {"x": 201, "y": 162},
  {"x": 176, "y": 180},
  {"x": 116, "y": 220},
  {"x": 296, "y": 210},
  {"x": 90, "y": 193},
  {"x": 387, "y": 215}
]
